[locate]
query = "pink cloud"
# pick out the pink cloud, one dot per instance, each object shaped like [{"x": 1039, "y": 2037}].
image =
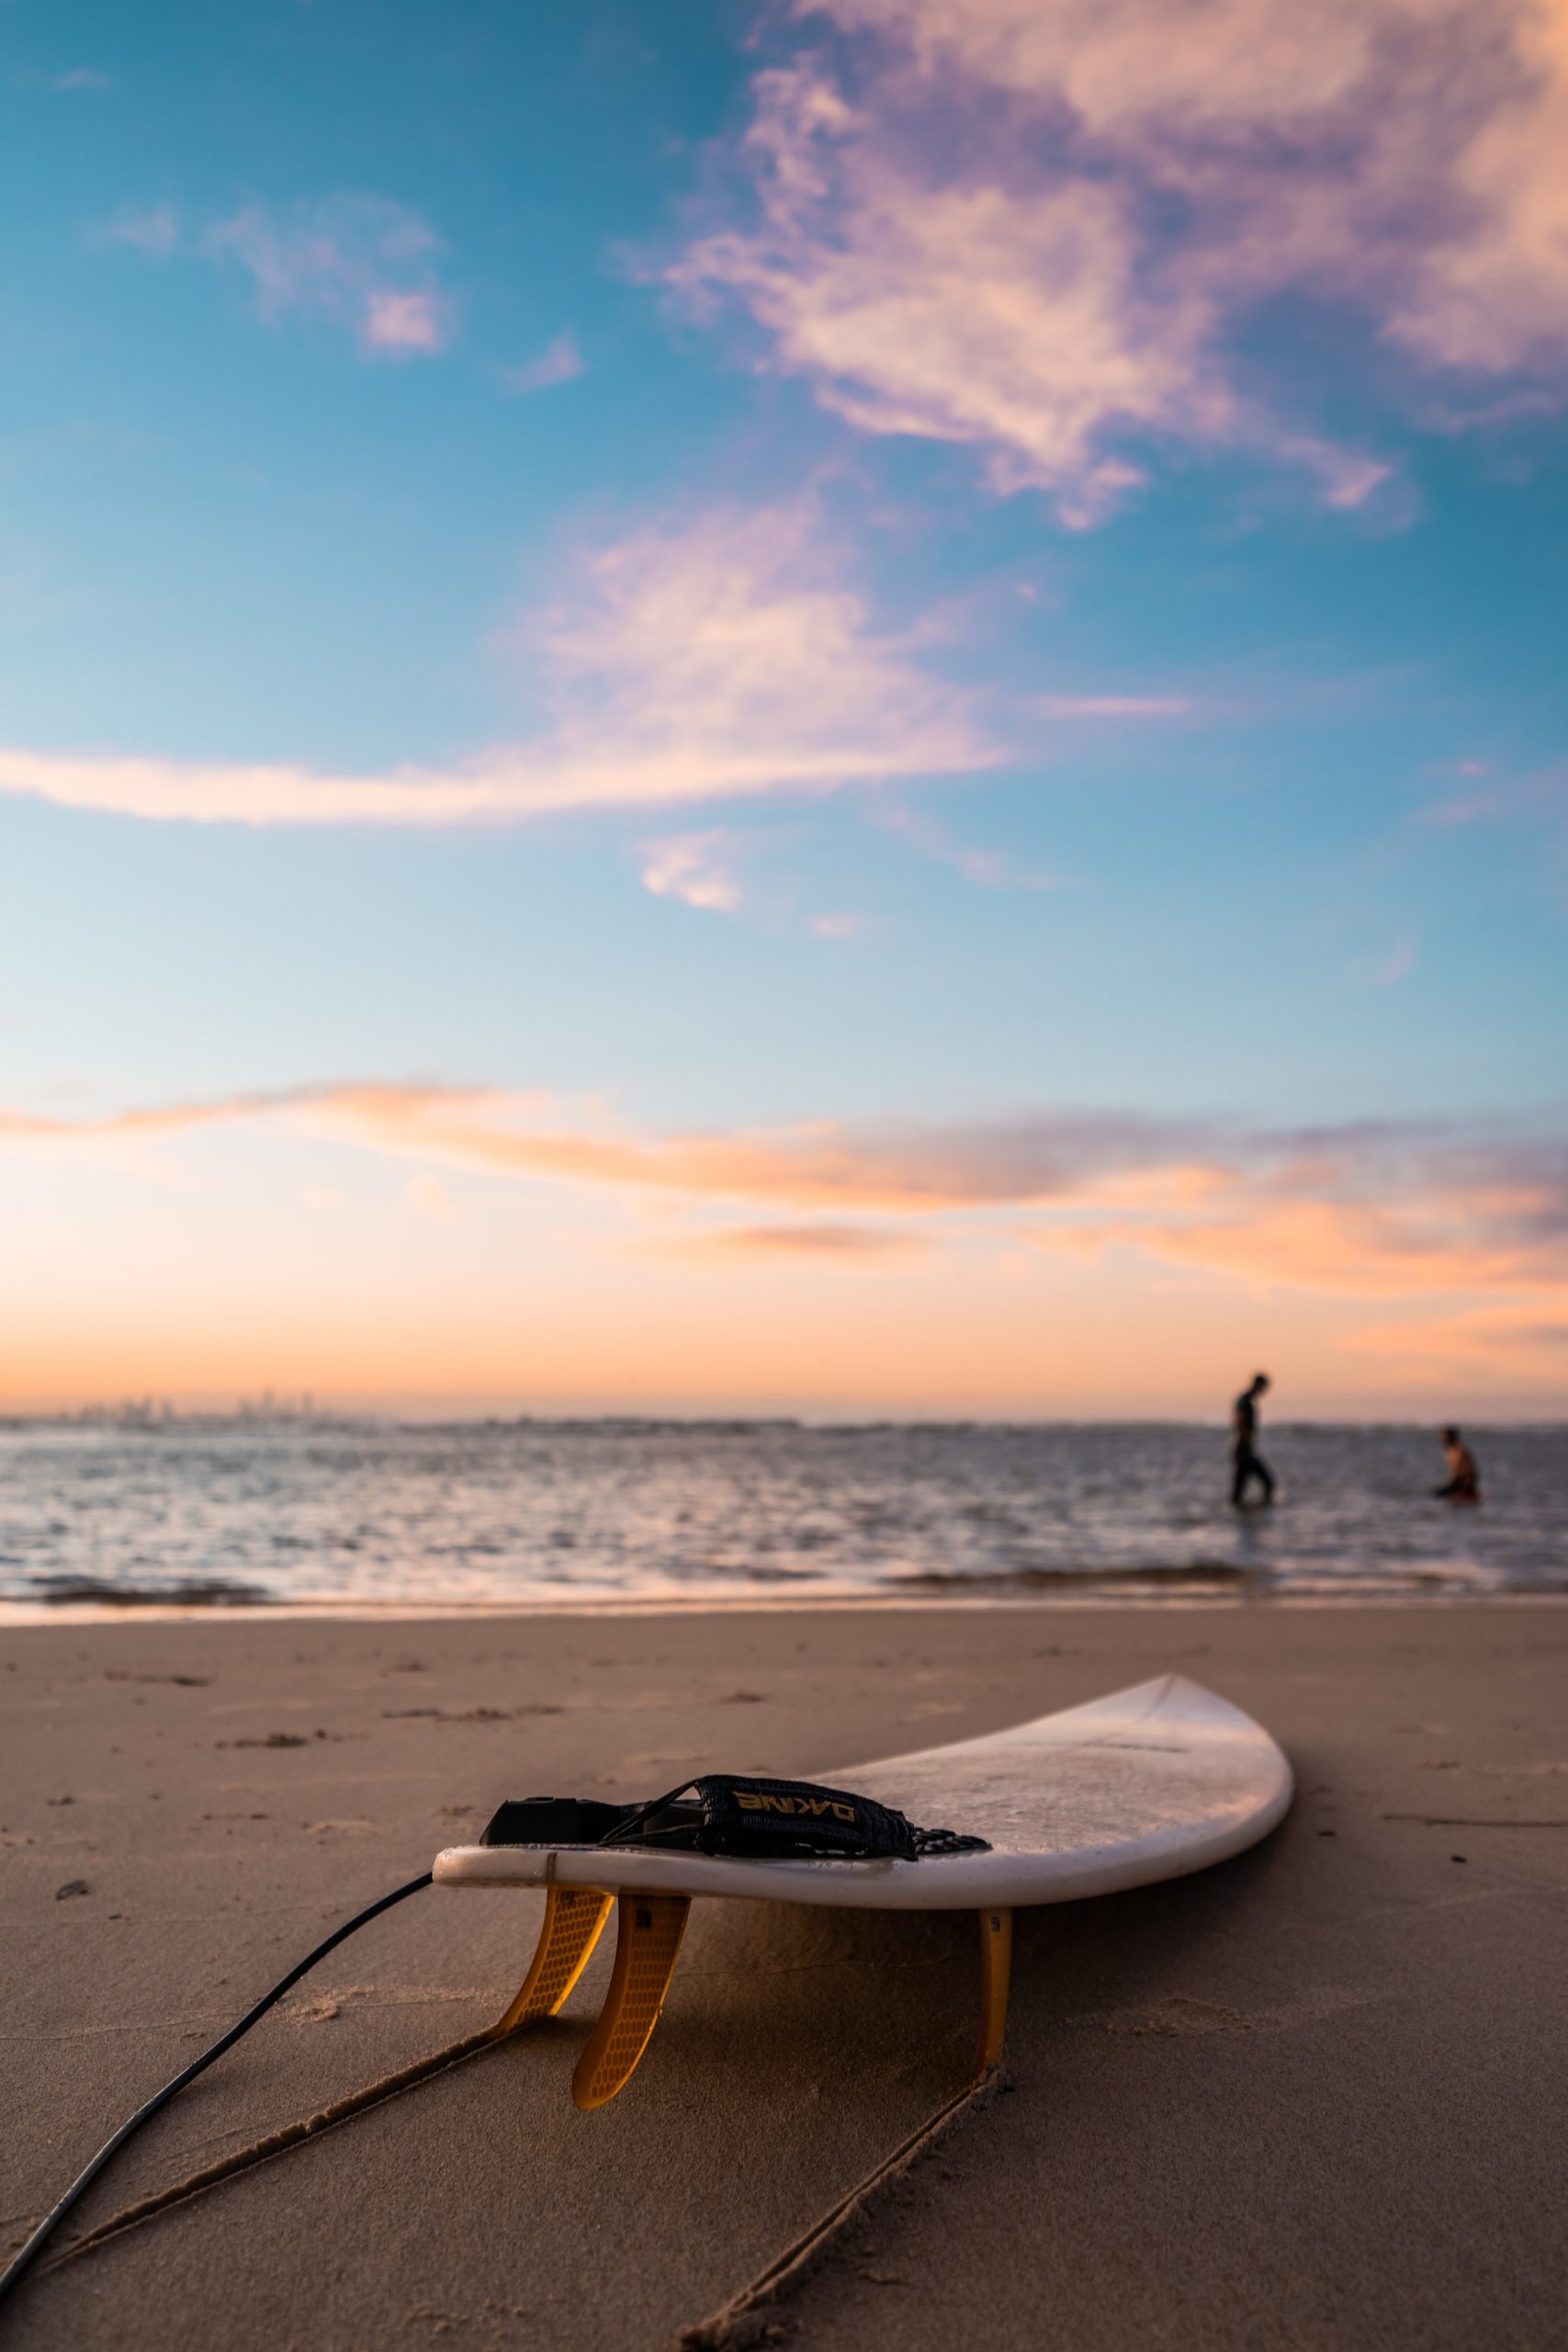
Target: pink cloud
[
  {"x": 1032, "y": 227},
  {"x": 1493, "y": 293},
  {"x": 154, "y": 232},
  {"x": 1112, "y": 705},
  {"x": 699, "y": 869},
  {"x": 987, "y": 869},
  {"x": 1545, "y": 791},
  {"x": 1006, "y": 320},
  {"x": 400, "y": 324},
  {"x": 558, "y": 363},
  {"x": 722, "y": 656},
  {"x": 358, "y": 262},
  {"x": 76, "y": 77},
  {"x": 1386, "y": 971}
]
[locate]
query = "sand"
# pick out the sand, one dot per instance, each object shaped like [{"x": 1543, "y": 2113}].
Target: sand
[{"x": 1311, "y": 2098}]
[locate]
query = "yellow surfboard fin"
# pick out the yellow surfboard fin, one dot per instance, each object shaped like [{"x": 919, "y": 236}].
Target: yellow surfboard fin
[
  {"x": 649, "y": 1929},
  {"x": 995, "y": 1966},
  {"x": 574, "y": 1919}
]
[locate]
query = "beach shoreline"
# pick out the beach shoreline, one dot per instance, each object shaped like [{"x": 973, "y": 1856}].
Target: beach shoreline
[
  {"x": 1101, "y": 1596},
  {"x": 1223, "y": 2088}
]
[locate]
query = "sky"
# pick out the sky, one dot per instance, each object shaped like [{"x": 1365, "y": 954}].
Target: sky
[{"x": 849, "y": 709}]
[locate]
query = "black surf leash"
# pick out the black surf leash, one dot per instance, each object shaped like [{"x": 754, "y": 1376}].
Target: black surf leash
[
  {"x": 726, "y": 1814},
  {"x": 733, "y": 1814},
  {"x": 23, "y": 2261}
]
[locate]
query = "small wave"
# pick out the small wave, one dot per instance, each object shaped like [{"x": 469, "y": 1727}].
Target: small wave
[
  {"x": 205, "y": 1592},
  {"x": 1191, "y": 1572}
]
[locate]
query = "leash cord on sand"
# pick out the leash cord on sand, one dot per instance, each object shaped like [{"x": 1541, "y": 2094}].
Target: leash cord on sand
[
  {"x": 85, "y": 2180},
  {"x": 274, "y": 2143}
]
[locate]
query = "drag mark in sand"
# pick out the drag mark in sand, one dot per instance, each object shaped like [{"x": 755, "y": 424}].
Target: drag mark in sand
[
  {"x": 743, "y": 2321},
  {"x": 1470, "y": 1821},
  {"x": 749, "y": 2317},
  {"x": 467, "y": 1714},
  {"x": 274, "y": 2143}
]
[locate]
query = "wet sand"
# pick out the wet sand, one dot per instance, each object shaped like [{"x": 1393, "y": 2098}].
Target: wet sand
[{"x": 1310, "y": 2099}]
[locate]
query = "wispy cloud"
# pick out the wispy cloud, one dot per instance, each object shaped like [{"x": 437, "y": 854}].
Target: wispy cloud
[
  {"x": 358, "y": 262},
  {"x": 74, "y": 78},
  {"x": 1460, "y": 1219},
  {"x": 1007, "y": 319},
  {"x": 1112, "y": 706},
  {"x": 1385, "y": 971},
  {"x": 429, "y": 1196},
  {"x": 699, "y": 869},
  {"x": 155, "y": 232},
  {"x": 719, "y": 657},
  {"x": 558, "y": 363},
  {"x": 1510, "y": 1340},
  {"x": 1039, "y": 228},
  {"x": 987, "y": 869},
  {"x": 837, "y": 1244},
  {"x": 398, "y": 326},
  {"x": 1529, "y": 796}
]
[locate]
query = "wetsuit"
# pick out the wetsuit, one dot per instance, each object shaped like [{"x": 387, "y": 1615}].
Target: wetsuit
[
  {"x": 1246, "y": 1463},
  {"x": 1464, "y": 1479}
]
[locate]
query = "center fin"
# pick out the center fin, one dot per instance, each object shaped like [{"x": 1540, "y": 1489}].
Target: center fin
[{"x": 649, "y": 1929}]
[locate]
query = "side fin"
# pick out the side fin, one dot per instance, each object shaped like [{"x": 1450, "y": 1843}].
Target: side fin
[
  {"x": 574, "y": 1918},
  {"x": 996, "y": 1966},
  {"x": 649, "y": 1929}
]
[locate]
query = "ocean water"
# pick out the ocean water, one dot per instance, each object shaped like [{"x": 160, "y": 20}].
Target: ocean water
[{"x": 380, "y": 1513}]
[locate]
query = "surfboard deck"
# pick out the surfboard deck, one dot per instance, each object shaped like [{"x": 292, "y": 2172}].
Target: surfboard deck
[
  {"x": 1149, "y": 1783},
  {"x": 1145, "y": 1784}
]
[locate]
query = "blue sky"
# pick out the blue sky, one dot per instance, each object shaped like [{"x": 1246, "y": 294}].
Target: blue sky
[{"x": 731, "y": 571}]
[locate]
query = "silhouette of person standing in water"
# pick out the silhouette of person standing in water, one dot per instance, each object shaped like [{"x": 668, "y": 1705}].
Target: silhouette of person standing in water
[
  {"x": 1464, "y": 1479},
  {"x": 1246, "y": 1463}
]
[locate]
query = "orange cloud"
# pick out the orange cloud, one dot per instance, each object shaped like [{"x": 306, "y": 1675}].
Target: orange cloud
[
  {"x": 719, "y": 658},
  {"x": 1514, "y": 1342},
  {"x": 782, "y": 1243},
  {"x": 1075, "y": 1262},
  {"x": 1377, "y": 1211}
]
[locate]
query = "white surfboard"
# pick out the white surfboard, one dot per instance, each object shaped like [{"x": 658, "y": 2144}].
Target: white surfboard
[{"x": 1149, "y": 1783}]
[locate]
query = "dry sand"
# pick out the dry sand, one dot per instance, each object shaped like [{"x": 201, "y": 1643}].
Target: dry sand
[{"x": 1311, "y": 2098}]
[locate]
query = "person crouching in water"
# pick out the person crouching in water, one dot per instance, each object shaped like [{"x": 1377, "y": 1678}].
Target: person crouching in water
[
  {"x": 1464, "y": 1479},
  {"x": 1246, "y": 1463}
]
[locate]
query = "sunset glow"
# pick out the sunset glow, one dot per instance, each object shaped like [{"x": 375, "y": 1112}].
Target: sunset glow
[{"x": 854, "y": 710}]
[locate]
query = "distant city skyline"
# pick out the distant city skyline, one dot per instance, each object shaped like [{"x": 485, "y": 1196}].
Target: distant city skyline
[{"x": 846, "y": 709}]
